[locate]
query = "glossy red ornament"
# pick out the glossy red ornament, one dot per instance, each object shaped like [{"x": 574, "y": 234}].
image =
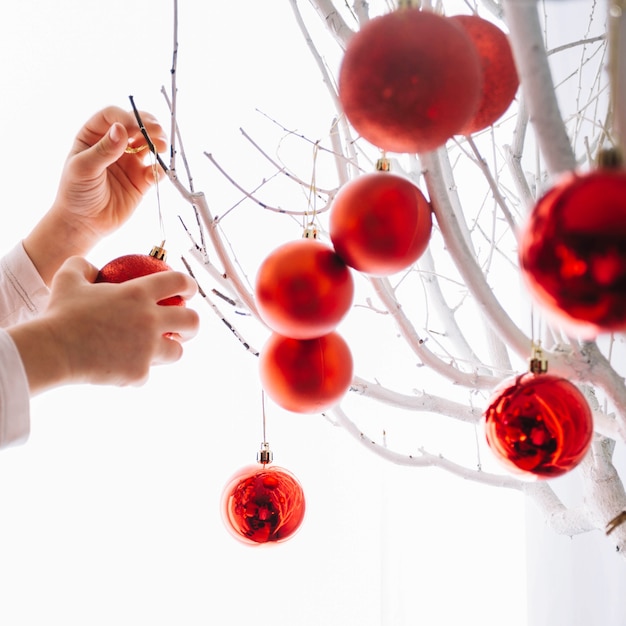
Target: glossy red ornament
[
  {"x": 409, "y": 80},
  {"x": 132, "y": 266},
  {"x": 306, "y": 375},
  {"x": 303, "y": 289},
  {"x": 572, "y": 251},
  {"x": 263, "y": 504},
  {"x": 539, "y": 425},
  {"x": 500, "y": 79},
  {"x": 380, "y": 223}
]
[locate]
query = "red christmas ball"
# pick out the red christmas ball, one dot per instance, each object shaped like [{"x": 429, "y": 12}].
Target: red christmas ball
[
  {"x": 380, "y": 223},
  {"x": 572, "y": 251},
  {"x": 409, "y": 80},
  {"x": 303, "y": 289},
  {"x": 500, "y": 78},
  {"x": 133, "y": 266},
  {"x": 306, "y": 375},
  {"x": 263, "y": 504},
  {"x": 539, "y": 425}
]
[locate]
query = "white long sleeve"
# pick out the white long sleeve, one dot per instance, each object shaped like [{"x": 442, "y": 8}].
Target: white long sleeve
[
  {"x": 23, "y": 294},
  {"x": 14, "y": 395}
]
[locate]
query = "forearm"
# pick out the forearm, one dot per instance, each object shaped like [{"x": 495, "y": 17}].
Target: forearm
[
  {"x": 53, "y": 240},
  {"x": 43, "y": 363}
]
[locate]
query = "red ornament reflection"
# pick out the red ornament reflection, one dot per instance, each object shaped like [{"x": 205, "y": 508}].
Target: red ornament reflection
[
  {"x": 409, "y": 80},
  {"x": 539, "y": 425},
  {"x": 263, "y": 504},
  {"x": 306, "y": 375},
  {"x": 500, "y": 79},
  {"x": 303, "y": 289},
  {"x": 133, "y": 266},
  {"x": 572, "y": 251},
  {"x": 380, "y": 223}
]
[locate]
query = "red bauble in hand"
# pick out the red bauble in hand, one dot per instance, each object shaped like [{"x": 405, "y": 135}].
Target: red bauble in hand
[
  {"x": 303, "y": 289},
  {"x": 572, "y": 251},
  {"x": 410, "y": 80},
  {"x": 500, "y": 80},
  {"x": 380, "y": 223},
  {"x": 306, "y": 375},
  {"x": 263, "y": 505},
  {"x": 134, "y": 265},
  {"x": 539, "y": 425}
]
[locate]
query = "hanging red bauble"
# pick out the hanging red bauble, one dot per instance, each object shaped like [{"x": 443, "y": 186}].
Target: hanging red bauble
[
  {"x": 129, "y": 266},
  {"x": 306, "y": 375},
  {"x": 409, "y": 80},
  {"x": 572, "y": 251},
  {"x": 500, "y": 78},
  {"x": 539, "y": 425},
  {"x": 380, "y": 223},
  {"x": 303, "y": 289},
  {"x": 263, "y": 504}
]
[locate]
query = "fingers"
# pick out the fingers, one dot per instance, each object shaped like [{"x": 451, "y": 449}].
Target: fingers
[
  {"x": 106, "y": 135},
  {"x": 74, "y": 269},
  {"x": 162, "y": 285}
]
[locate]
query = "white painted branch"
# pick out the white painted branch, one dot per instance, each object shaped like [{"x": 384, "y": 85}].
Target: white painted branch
[
  {"x": 464, "y": 259},
  {"x": 428, "y": 358},
  {"x": 423, "y": 458},
  {"x": 526, "y": 37},
  {"x": 332, "y": 19},
  {"x": 421, "y": 401}
]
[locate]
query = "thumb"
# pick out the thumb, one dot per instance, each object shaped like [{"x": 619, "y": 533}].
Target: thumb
[
  {"x": 76, "y": 269},
  {"x": 106, "y": 151}
]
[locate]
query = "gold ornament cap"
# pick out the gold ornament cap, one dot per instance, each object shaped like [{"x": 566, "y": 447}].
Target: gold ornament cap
[{"x": 159, "y": 252}]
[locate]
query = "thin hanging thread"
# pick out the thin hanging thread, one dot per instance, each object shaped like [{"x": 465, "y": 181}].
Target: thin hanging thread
[
  {"x": 153, "y": 164},
  {"x": 311, "y": 210}
]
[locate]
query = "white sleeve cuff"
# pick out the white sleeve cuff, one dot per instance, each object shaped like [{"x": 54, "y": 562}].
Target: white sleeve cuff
[
  {"x": 14, "y": 395},
  {"x": 22, "y": 290}
]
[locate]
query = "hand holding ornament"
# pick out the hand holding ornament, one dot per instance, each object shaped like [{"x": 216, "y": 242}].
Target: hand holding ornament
[{"x": 104, "y": 333}]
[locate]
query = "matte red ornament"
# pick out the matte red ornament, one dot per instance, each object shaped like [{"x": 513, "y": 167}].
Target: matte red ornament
[
  {"x": 263, "y": 505},
  {"x": 500, "y": 79},
  {"x": 380, "y": 223},
  {"x": 539, "y": 425},
  {"x": 409, "y": 80},
  {"x": 303, "y": 289},
  {"x": 306, "y": 375},
  {"x": 134, "y": 265},
  {"x": 572, "y": 251}
]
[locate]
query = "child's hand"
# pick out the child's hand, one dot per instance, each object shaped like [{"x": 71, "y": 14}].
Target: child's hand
[
  {"x": 105, "y": 333},
  {"x": 100, "y": 187}
]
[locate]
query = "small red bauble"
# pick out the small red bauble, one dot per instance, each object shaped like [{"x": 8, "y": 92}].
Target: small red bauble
[
  {"x": 306, "y": 375},
  {"x": 572, "y": 251},
  {"x": 132, "y": 266},
  {"x": 500, "y": 78},
  {"x": 303, "y": 289},
  {"x": 410, "y": 80},
  {"x": 539, "y": 425},
  {"x": 380, "y": 223},
  {"x": 263, "y": 505}
]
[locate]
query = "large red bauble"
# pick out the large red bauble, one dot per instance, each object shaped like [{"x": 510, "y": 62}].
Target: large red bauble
[
  {"x": 263, "y": 505},
  {"x": 539, "y": 425},
  {"x": 572, "y": 251},
  {"x": 409, "y": 80},
  {"x": 500, "y": 78},
  {"x": 306, "y": 375},
  {"x": 132, "y": 266},
  {"x": 303, "y": 289},
  {"x": 380, "y": 223}
]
